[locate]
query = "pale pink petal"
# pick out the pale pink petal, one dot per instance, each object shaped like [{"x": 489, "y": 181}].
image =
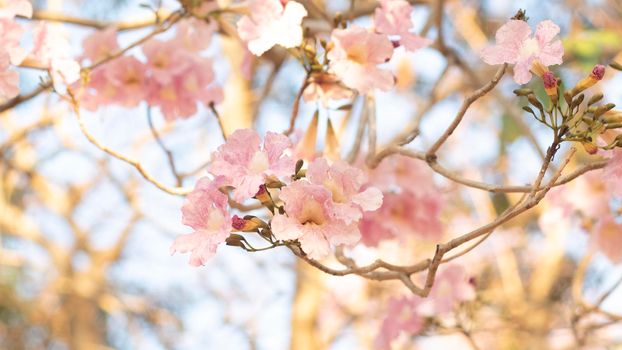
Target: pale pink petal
[
  {"x": 551, "y": 54},
  {"x": 607, "y": 238},
  {"x": 314, "y": 244},
  {"x": 355, "y": 57},
  {"x": 612, "y": 174},
  {"x": 206, "y": 212},
  {"x": 9, "y": 79},
  {"x": 275, "y": 144},
  {"x": 100, "y": 44},
  {"x": 285, "y": 228},
  {"x": 402, "y": 316},
  {"x": 10, "y": 36},
  {"x": 546, "y": 31},
  {"x": 522, "y": 73},
  {"x": 368, "y": 200},
  {"x": 270, "y": 24},
  {"x": 413, "y": 42}
]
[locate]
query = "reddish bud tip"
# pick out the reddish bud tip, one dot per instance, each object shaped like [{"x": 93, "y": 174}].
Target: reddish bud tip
[
  {"x": 396, "y": 43},
  {"x": 550, "y": 81},
  {"x": 262, "y": 191},
  {"x": 598, "y": 72},
  {"x": 237, "y": 222}
]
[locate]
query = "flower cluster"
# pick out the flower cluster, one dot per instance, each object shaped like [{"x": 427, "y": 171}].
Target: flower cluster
[
  {"x": 516, "y": 46},
  {"x": 174, "y": 77},
  {"x": 10, "y": 51},
  {"x": 412, "y": 203},
  {"x": 317, "y": 207},
  {"x": 592, "y": 197},
  {"x": 50, "y": 51},
  {"x": 352, "y": 57},
  {"x": 407, "y": 314}
]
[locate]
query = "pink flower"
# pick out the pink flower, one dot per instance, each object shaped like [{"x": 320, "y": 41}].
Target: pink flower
[
  {"x": 178, "y": 98},
  {"x": 165, "y": 60},
  {"x": 402, "y": 215},
  {"x": 393, "y": 18},
  {"x": 52, "y": 50},
  {"x": 355, "y": 57},
  {"x": 11, "y": 8},
  {"x": 9, "y": 79},
  {"x": 205, "y": 211},
  {"x": 452, "y": 286},
  {"x": 121, "y": 81},
  {"x": 272, "y": 22},
  {"x": 310, "y": 218},
  {"x": 325, "y": 87},
  {"x": 10, "y": 36},
  {"x": 246, "y": 164},
  {"x": 516, "y": 46},
  {"x": 345, "y": 184},
  {"x": 194, "y": 34},
  {"x": 127, "y": 75},
  {"x": 612, "y": 174},
  {"x": 607, "y": 238},
  {"x": 412, "y": 202},
  {"x": 100, "y": 44},
  {"x": 402, "y": 316}
]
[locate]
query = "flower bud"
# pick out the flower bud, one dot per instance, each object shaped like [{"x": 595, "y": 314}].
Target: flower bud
[
  {"x": 550, "y": 85},
  {"x": 246, "y": 224},
  {"x": 263, "y": 195},
  {"x": 597, "y": 74}
]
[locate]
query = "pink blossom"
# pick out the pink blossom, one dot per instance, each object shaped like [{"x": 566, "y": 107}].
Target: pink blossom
[
  {"x": 178, "y": 98},
  {"x": 9, "y": 79},
  {"x": 412, "y": 202},
  {"x": 310, "y": 218},
  {"x": 205, "y": 211},
  {"x": 402, "y": 316},
  {"x": 452, "y": 286},
  {"x": 194, "y": 34},
  {"x": 607, "y": 238},
  {"x": 612, "y": 174},
  {"x": 345, "y": 183},
  {"x": 272, "y": 22},
  {"x": 121, "y": 81},
  {"x": 325, "y": 87},
  {"x": 355, "y": 57},
  {"x": 393, "y": 18},
  {"x": 516, "y": 46},
  {"x": 402, "y": 215},
  {"x": 10, "y": 36},
  {"x": 52, "y": 50},
  {"x": 100, "y": 44},
  {"x": 11, "y": 8},
  {"x": 246, "y": 164},
  {"x": 165, "y": 60}
]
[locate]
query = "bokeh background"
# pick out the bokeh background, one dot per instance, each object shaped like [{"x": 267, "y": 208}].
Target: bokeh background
[{"x": 84, "y": 240}]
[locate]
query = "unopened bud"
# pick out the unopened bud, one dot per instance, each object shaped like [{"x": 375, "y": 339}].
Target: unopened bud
[
  {"x": 246, "y": 224},
  {"x": 598, "y": 72},
  {"x": 550, "y": 85},
  {"x": 595, "y": 76},
  {"x": 263, "y": 195},
  {"x": 235, "y": 240}
]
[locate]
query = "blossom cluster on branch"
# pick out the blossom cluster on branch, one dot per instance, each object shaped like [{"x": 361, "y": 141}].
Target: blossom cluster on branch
[{"x": 279, "y": 190}]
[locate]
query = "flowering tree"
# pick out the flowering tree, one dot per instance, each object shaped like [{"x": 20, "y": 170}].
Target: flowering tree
[{"x": 337, "y": 181}]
